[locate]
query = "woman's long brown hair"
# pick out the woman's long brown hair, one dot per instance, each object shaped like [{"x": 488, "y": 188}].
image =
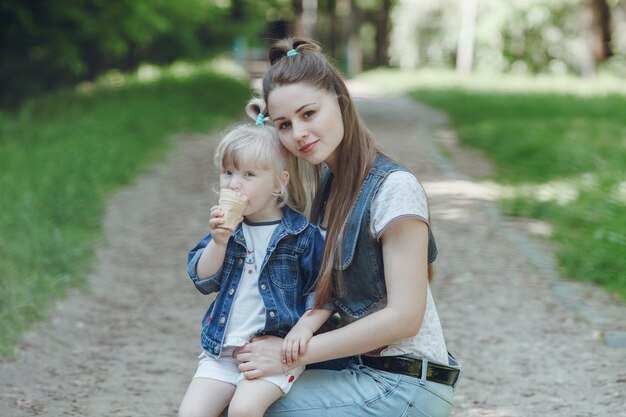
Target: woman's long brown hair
[{"x": 355, "y": 154}]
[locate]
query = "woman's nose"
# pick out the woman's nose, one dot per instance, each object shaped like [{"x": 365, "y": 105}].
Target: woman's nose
[{"x": 299, "y": 131}]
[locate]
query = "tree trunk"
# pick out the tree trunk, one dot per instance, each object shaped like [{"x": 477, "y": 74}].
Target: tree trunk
[
  {"x": 601, "y": 31},
  {"x": 237, "y": 9},
  {"x": 333, "y": 32},
  {"x": 349, "y": 47},
  {"x": 306, "y": 19},
  {"x": 382, "y": 34},
  {"x": 465, "y": 47}
]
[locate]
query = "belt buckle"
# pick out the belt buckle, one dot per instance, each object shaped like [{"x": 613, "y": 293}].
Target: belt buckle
[
  {"x": 411, "y": 364},
  {"x": 414, "y": 364}
]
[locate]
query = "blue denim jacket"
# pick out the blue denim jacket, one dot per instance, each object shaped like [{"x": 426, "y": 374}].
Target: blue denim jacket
[
  {"x": 286, "y": 280},
  {"x": 361, "y": 262}
]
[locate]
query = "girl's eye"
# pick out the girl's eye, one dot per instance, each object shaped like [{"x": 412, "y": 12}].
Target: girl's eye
[
  {"x": 249, "y": 174},
  {"x": 227, "y": 172}
]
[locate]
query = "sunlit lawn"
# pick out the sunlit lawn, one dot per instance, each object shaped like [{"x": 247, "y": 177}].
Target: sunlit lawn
[
  {"x": 61, "y": 156},
  {"x": 559, "y": 145}
]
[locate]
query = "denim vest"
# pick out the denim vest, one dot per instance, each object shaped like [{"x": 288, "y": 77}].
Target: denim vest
[
  {"x": 361, "y": 262},
  {"x": 286, "y": 280}
]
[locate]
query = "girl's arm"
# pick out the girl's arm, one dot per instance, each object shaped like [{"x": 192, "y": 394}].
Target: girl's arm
[
  {"x": 295, "y": 342},
  {"x": 211, "y": 260},
  {"x": 405, "y": 248},
  {"x": 212, "y": 257}
]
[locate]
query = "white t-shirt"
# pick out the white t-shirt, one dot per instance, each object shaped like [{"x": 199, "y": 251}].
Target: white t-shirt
[
  {"x": 247, "y": 315},
  {"x": 401, "y": 195}
]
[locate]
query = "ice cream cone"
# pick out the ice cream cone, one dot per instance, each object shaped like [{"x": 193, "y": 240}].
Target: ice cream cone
[{"x": 233, "y": 203}]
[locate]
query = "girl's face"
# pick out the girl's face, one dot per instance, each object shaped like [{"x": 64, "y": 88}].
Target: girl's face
[
  {"x": 308, "y": 120},
  {"x": 258, "y": 185}
]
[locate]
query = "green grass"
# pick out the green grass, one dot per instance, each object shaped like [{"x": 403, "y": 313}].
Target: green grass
[
  {"x": 559, "y": 146},
  {"x": 62, "y": 155}
]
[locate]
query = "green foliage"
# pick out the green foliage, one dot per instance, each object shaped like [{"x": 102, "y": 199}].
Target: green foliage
[
  {"x": 548, "y": 137},
  {"x": 60, "y": 158},
  {"x": 525, "y": 36},
  {"x": 563, "y": 159},
  {"x": 559, "y": 148},
  {"x": 47, "y": 45}
]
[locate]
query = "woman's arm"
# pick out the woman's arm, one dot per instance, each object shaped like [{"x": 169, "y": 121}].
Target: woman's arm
[{"x": 405, "y": 248}]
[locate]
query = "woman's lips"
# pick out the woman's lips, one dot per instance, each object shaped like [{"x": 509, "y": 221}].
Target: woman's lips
[{"x": 308, "y": 147}]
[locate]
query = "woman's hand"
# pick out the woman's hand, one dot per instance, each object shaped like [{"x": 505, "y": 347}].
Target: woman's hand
[{"x": 261, "y": 357}]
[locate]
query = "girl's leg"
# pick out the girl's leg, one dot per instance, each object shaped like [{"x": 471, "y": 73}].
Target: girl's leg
[
  {"x": 206, "y": 397},
  {"x": 253, "y": 397}
]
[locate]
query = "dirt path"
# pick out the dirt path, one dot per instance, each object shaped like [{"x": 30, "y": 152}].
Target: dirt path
[{"x": 128, "y": 346}]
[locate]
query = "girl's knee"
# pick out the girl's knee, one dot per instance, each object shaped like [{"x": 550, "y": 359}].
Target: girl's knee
[
  {"x": 244, "y": 409},
  {"x": 184, "y": 411},
  {"x": 192, "y": 410}
]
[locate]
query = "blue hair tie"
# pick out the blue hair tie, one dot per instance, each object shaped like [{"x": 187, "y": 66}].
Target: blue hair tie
[
  {"x": 292, "y": 52},
  {"x": 260, "y": 119}
]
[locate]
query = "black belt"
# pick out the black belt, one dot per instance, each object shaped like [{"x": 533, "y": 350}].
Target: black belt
[{"x": 413, "y": 367}]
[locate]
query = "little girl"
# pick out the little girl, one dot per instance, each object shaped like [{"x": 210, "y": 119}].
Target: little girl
[{"x": 264, "y": 272}]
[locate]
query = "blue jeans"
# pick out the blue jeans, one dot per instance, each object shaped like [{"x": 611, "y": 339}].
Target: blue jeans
[
  {"x": 358, "y": 391},
  {"x": 361, "y": 391}
]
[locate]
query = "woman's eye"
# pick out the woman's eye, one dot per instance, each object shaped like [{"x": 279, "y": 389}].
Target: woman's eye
[
  {"x": 308, "y": 113},
  {"x": 284, "y": 125}
]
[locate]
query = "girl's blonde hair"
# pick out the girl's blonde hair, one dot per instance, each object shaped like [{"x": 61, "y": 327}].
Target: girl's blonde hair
[{"x": 259, "y": 145}]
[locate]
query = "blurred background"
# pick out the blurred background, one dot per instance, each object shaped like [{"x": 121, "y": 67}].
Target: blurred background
[
  {"x": 92, "y": 91},
  {"x": 46, "y": 45}
]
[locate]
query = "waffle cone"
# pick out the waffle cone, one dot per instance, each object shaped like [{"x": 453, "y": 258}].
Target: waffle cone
[{"x": 233, "y": 203}]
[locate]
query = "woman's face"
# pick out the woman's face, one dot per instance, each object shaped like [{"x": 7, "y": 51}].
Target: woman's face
[{"x": 308, "y": 120}]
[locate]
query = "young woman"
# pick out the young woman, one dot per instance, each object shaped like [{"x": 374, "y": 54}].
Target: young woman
[
  {"x": 376, "y": 261},
  {"x": 263, "y": 270}
]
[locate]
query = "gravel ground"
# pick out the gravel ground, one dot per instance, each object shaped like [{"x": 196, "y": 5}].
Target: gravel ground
[{"x": 531, "y": 344}]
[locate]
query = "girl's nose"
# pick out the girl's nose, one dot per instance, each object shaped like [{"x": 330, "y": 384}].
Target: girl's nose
[{"x": 235, "y": 184}]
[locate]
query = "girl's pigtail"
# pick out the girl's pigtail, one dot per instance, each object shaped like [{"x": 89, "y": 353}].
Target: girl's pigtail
[{"x": 256, "y": 107}]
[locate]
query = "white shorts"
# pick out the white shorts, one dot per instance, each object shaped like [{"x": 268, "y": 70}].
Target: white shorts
[{"x": 226, "y": 369}]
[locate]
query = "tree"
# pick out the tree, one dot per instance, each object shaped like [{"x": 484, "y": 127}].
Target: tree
[
  {"x": 601, "y": 31},
  {"x": 382, "y": 34},
  {"x": 306, "y": 17},
  {"x": 465, "y": 48},
  {"x": 46, "y": 45}
]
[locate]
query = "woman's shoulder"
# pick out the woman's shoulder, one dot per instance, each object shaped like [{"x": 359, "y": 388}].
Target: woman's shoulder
[
  {"x": 400, "y": 186},
  {"x": 402, "y": 177},
  {"x": 400, "y": 195}
]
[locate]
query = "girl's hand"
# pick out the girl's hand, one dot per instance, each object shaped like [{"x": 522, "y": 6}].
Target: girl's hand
[
  {"x": 219, "y": 235},
  {"x": 261, "y": 357},
  {"x": 294, "y": 344}
]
